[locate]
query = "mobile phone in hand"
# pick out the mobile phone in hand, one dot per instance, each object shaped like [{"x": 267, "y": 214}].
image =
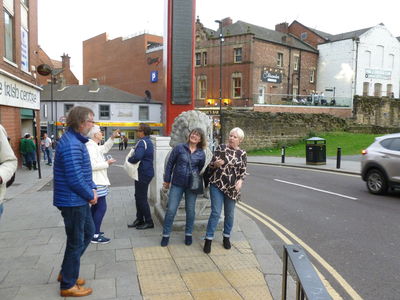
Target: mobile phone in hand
[{"x": 108, "y": 157}]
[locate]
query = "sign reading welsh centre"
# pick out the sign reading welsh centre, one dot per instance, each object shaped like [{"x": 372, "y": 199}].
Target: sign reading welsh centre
[
  {"x": 17, "y": 94},
  {"x": 268, "y": 76}
]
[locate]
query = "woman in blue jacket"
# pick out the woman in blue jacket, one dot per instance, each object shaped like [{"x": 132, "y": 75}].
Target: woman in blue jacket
[
  {"x": 179, "y": 169},
  {"x": 143, "y": 154}
]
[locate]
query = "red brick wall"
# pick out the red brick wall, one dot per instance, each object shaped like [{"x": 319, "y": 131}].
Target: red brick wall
[
  {"x": 313, "y": 39},
  {"x": 124, "y": 64}
]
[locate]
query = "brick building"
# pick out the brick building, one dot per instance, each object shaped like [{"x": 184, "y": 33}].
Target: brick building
[
  {"x": 19, "y": 92},
  {"x": 62, "y": 68},
  {"x": 133, "y": 64},
  {"x": 259, "y": 66}
]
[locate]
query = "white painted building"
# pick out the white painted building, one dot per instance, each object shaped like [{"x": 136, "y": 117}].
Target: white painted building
[{"x": 363, "y": 62}]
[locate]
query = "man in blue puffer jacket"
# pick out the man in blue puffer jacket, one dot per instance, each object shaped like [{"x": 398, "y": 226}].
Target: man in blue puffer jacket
[{"x": 74, "y": 190}]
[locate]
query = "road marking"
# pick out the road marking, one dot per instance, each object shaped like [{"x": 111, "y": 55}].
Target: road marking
[
  {"x": 315, "y": 189},
  {"x": 306, "y": 169},
  {"x": 346, "y": 286}
]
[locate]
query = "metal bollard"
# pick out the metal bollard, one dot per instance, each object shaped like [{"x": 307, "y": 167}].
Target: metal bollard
[
  {"x": 338, "y": 157},
  {"x": 283, "y": 153}
]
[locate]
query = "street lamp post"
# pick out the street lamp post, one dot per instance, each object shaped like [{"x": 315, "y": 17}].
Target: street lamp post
[
  {"x": 46, "y": 70},
  {"x": 221, "y": 39}
]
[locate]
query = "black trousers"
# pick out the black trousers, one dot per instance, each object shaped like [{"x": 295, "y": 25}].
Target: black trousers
[{"x": 142, "y": 205}]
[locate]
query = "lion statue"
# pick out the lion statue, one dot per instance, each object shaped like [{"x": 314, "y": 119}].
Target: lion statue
[{"x": 184, "y": 123}]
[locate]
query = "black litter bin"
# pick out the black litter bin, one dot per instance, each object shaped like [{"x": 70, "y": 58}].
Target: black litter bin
[{"x": 316, "y": 151}]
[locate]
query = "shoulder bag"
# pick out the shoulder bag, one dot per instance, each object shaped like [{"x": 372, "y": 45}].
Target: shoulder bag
[
  {"x": 195, "y": 180},
  {"x": 132, "y": 169}
]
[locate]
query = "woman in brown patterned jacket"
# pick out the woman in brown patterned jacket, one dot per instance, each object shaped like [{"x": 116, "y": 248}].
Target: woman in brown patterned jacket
[{"x": 228, "y": 167}]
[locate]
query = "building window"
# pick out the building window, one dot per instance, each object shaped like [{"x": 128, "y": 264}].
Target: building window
[
  {"x": 295, "y": 92},
  {"x": 143, "y": 113},
  {"x": 236, "y": 85},
  {"x": 296, "y": 63},
  {"x": 104, "y": 112},
  {"x": 391, "y": 61},
  {"x": 280, "y": 60},
  {"x": 303, "y": 35},
  {"x": 365, "y": 88},
  {"x": 237, "y": 55},
  {"x": 312, "y": 76},
  {"x": 25, "y": 2},
  {"x": 67, "y": 108},
  {"x": 377, "y": 89},
  {"x": 198, "y": 59},
  {"x": 8, "y": 36},
  {"x": 204, "y": 58},
  {"x": 368, "y": 57},
  {"x": 389, "y": 90},
  {"x": 44, "y": 111},
  {"x": 380, "y": 54},
  {"x": 202, "y": 87}
]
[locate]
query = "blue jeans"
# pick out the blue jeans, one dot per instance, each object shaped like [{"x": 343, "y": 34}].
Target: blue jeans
[
  {"x": 49, "y": 154},
  {"x": 79, "y": 228},
  {"x": 1, "y": 209},
  {"x": 217, "y": 199},
  {"x": 98, "y": 211},
  {"x": 174, "y": 198}
]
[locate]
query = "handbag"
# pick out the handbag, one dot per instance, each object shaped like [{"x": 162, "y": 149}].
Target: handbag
[
  {"x": 132, "y": 169},
  {"x": 195, "y": 180}
]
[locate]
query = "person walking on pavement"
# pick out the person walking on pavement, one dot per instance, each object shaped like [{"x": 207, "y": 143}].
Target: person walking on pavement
[
  {"x": 8, "y": 165},
  {"x": 121, "y": 143},
  {"x": 228, "y": 167},
  {"x": 28, "y": 150},
  {"x": 74, "y": 191},
  {"x": 43, "y": 148},
  {"x": 143, "y": 154},
  {"x": 48, "y": 148},
  {"x": 183, "y": 159},
  {"x": 125, "y": 142},
  {"x": 100, "y": 178}
]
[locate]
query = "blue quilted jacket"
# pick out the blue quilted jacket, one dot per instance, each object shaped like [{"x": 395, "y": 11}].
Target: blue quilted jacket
[
  {"x": 178, "y": 164},
  {"x": 73, "y": 184}
]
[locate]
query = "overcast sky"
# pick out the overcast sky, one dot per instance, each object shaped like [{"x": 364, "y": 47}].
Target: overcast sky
[{"x": 65, "y": 24}]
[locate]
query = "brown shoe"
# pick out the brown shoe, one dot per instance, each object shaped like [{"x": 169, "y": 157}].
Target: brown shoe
[
  {"x": 79, "y": 281},
  {"x": 76, "y": 291}
]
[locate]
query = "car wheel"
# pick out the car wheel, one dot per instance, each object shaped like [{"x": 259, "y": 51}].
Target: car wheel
[{"x": 376, "y": 182}]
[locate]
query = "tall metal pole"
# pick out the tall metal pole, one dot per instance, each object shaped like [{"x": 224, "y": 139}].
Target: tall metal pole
[
  {"x": 52, "y": 104},
  {"x": 220, "y": 80}
]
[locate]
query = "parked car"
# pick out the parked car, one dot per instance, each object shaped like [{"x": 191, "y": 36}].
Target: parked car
[{"x": 380, "y": 164}]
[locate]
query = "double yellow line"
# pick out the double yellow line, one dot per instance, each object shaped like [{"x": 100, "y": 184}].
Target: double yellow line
[{"x": 283, "y": 233}]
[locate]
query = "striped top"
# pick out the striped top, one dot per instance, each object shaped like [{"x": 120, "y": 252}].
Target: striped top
[{"x": 102, "y": 190}]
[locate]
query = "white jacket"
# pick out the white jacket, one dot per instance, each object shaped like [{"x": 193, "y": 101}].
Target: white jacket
[
  {"x": 98, "y": 161},
  {"x": 8, "y": 162}
]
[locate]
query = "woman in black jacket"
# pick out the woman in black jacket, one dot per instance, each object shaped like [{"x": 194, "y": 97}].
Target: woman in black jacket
[{"x": 182, "y": 159}]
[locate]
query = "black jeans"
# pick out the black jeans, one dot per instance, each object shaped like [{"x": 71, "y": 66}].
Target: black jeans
[{"x": 142, "y": 205}]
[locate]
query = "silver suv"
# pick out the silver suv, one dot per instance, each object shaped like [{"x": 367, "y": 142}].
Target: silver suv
[{"x": 380, "y": 164}]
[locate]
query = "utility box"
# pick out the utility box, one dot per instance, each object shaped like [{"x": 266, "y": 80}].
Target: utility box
[{"x": 316, "y": 151}]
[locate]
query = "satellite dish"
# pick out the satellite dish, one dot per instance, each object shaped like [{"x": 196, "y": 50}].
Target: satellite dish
[{"x": 44, "y": 69}]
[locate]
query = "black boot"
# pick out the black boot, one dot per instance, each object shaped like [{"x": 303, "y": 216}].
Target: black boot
[
  {"x": 29, "y": 165},
  {"x": 207, "y": 246},
  {"x": 34, "y": 165},
  {"x": 135, "y": 223},
  {"x": 227, "y": 243},
  {"x": 145, "y": 225}
]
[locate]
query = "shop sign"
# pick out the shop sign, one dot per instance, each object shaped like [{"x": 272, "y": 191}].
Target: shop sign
[
  {"x": 17, "y": 94},
  {"x": 268, "y": 76}
]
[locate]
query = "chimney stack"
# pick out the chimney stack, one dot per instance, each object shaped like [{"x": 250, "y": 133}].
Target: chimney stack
[
  {"x": 94, "y": 85},
  {"x": 282, "y": 27},
  {"x": 226, "y": 22},
  {"x": 65, "y": 61}
]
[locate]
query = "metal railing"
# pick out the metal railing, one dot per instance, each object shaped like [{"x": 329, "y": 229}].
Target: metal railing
[{"x": 308, "y": 283}]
